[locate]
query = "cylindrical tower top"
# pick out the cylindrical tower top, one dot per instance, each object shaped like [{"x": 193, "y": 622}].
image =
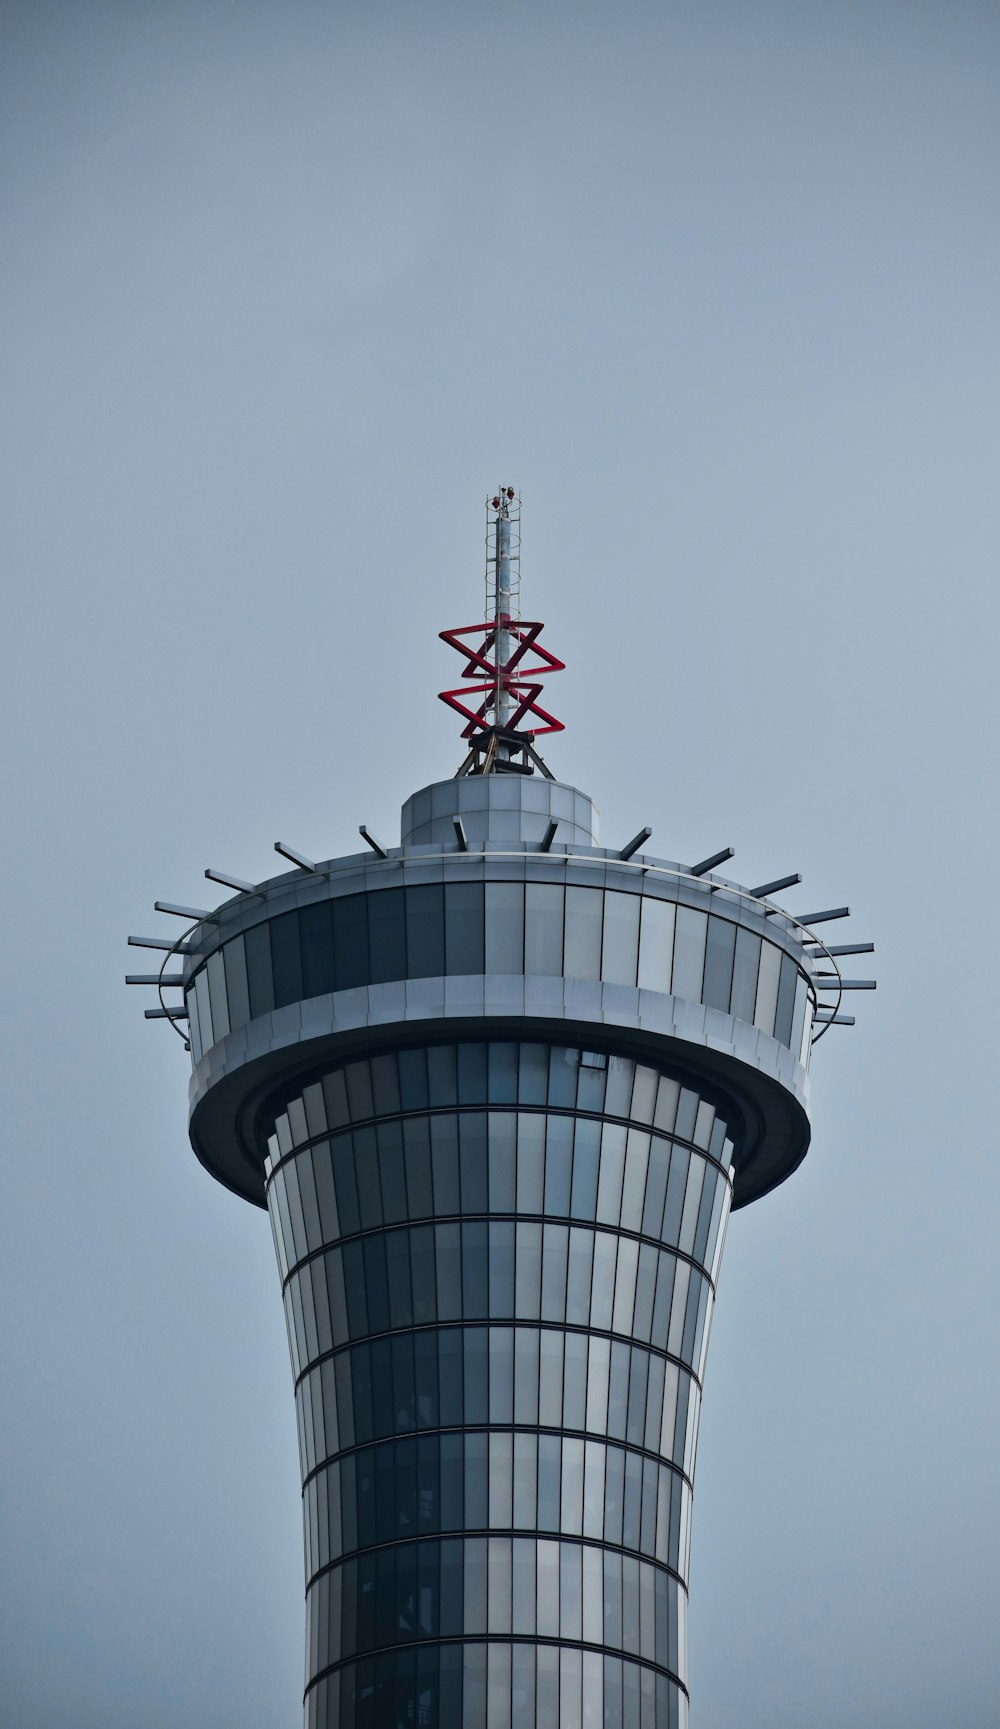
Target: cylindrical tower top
[{"x": 499, "y": 810}]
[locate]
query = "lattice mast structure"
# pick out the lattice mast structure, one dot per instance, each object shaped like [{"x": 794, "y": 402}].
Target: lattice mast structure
[{"x": 499, "y": 1087}]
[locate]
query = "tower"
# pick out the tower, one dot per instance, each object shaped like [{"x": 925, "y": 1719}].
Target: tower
[{"x": 499, "y": 1088}]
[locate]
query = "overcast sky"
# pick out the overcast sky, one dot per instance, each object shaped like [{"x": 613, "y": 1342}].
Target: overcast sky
[{"x": 287, "y": 289}]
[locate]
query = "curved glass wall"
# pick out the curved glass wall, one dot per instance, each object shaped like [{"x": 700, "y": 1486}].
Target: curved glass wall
[
  {"x": 436, "y": 930},
  {"x": 498, "y": 1264}
]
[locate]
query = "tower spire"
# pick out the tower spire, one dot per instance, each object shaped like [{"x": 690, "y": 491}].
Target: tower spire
[{"x": 507, "y": 688}]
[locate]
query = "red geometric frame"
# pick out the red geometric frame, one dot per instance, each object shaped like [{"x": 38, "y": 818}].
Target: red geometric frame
[{"x": 521, "y": 688}]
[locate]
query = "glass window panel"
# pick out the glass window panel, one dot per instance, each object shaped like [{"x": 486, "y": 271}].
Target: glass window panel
[
  {"x": 602, "y": 1292},
  {"x": 525, "y": 1375},
  {"x": 217, "y": 992},
  {"x": 586, "y": 1156},
  {"x": 477, "y": 1374},
  {"x": 578, "y": 1276},
  {"x": 524, "y": 1563},
  {"x": 452, "y": 1401},
  {"x": 656, "y": 944},
  {"x": 316, "y": 939},
  {"x": 599, "y": 1359},
  {"x": 335, "y": 1099},
  {"x": 719, "y": 953},
  {"x": 786, "y": 1000},
  {"x": 656, "y": 1186},
  {"x": 447, "y": 1246},
  {"x": 528, "y": 1272},
  {"x": 583, "y": 933},
  {"x": 644, "y": 1094},
  {"x": 444, "y": 1161},
  {"x": 286, "y": 961},
  {"x": 558, "y": 1165},
  {"x": 237, "y": 992},
  {"x": 472, "y": 1076},
  {"x": 417, "y": 1153},
  {"x": 612, "y": 1171},
  {"x": 555, "y": 1246},
  {"x": 687, "y": 1114},
  {"x": 502, "y": 1367},
  {"x": 442, "y": 1077},
  {"x": 689, "y": 953},
  {"x": 259, "y": 977},
  {"x": 575, "y": 1381},
  {"x": 618, "y": 1095},
  {"x": 550, "y": 1366},
  {"x": 350, "y": 941},
  {"x": 367, "y": 1177},
  {"x": 563, "y": 1064},
  {"x": 393, "y": 1172},
  {"x": 205, "y": 1006},
  {"x": 472, "y": 1141},
  {"x": 676, "y": 1185},
  {"x": 667, "y": 1095},
  {"x": 634, "y": 1186},
  {"x": 503, "y": 1160},
  {"x": 745, "y": 974},
  {"x": 386, "y": 936},
  {"x": 543, "y": 928},
  {"x": 692, "y": 1202},
  {"x": 358, "y": 1079},
  {"x": 549, "y": 1458},
  {"x": 397, "y": 1260},
  {"x": 423, "y": 1272},
  {"x": 463, "y": 927},
  {"x": 525, "y": 1480},
  {"x": 645, "y": 1290},
  {"x": 530, "y": 1161},
  {"x": 413, "y": 1080},
  {"x": 628, "y": 1260},
  {"x": 767, "y": 987},
  {"x": 194, "y": 1022},
  {"x": 799, "y": 1015},
  {"x": 620, "y": 944},
  {"x": 570, "y": 1606},
  {"x": 504, "y": 949},
  {"x": 342, "y": 1148},
  {"x": 533, "y": 1075},
  {"x": 475, "y": 1270},
  {"x": 425, "y": 931},
  {"x": 503, "y": 1068},
  {"x": 501, "y": 1478}
]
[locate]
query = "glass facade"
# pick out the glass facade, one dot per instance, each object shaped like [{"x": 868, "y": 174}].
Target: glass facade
[
  {"x": 433, "y": 930},
  {"x": 498, "y": 1263}
]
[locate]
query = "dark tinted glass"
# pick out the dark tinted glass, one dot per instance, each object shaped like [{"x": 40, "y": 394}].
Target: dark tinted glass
[
  {"x": 316, "y": 938},
  {"x": 425, "y": 931},
  {"x": 259, "y": 976},
  {"x": 464, "y": 928},
  {"x": 350, "y": 941},
  {"x": 386, "y": 936},
  {"x": 285, "y": 959},
  {"x": 786, "y": 1000}
]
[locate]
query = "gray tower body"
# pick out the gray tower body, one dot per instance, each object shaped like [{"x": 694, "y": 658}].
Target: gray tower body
[{"x": 498, "y": 1101}]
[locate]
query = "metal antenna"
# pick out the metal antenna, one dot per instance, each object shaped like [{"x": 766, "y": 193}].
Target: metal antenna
[
  {"x": 505, "y": 688},
  {"x": 506, "y": 512}
]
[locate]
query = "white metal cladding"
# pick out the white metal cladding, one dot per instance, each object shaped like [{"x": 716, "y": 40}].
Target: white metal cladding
[{"x": 502, "y": 809}]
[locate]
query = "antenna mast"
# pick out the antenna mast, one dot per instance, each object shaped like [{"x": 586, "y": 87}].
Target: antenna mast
[{"x": 508, "y": 688}]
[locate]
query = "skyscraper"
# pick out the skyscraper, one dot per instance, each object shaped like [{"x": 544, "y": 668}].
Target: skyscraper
[{"x": 499, "y": 1087}]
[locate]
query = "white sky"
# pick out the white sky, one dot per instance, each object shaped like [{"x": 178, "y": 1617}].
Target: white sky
[{"x": 286, "y": 291}]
